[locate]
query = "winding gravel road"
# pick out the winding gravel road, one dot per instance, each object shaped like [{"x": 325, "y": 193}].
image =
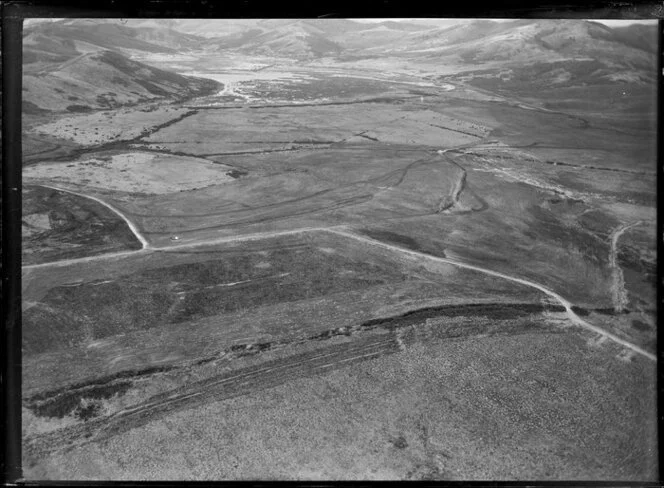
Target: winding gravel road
[
  {"x": 340, "y": 230},
  {"x": 565, "y": 303}
]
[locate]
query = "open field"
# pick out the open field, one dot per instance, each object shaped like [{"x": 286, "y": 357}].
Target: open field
[
  {"x": 283, "y": 289},
  {"x": 418, "y": 413},
  {"x": 376, "y": 121},
  {"x": 105, "y": 126},
  {"x": 133, "y": 172}
]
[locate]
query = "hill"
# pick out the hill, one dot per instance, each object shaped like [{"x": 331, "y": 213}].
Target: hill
[
  {"x": 67, "y": 62},
  {"x": 79, "y": 66}
]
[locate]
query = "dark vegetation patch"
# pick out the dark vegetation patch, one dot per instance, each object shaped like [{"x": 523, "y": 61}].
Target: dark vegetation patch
[
  {"x": 494, "y": 311},
  {"x": 491, "y": 311},
  {"x": 640, "y": 325},
  {"x": 78, "y": 402},
  {"x": 49, "y": 395},
  {"x": 188, "y": 292},
  {"x": 35, "y": 147},
  {"x": 546, "y": 226},
  {"x": 236, "y": 173},
  {"x": 608, "y": 311},
  {"x": 584, "y": 312},
  {"x": 83, "y": 400},
  {"x": 400, "y": 442},
  {"x": 580, "y": 311},
  {"x": 71, "y": 227},
  {"x": 250, "y": 349},
  {"x": 78, "y": 108},
  {"x": 72, "y": 151},
  {"x": 88, "y": 409},
  {"x": 30, "y": 108}
]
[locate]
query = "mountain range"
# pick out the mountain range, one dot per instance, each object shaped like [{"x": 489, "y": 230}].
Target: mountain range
[{"x": 74, "y": 60}]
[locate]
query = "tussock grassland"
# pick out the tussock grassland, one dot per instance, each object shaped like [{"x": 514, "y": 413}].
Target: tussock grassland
[{"x": 134, "y": 172}]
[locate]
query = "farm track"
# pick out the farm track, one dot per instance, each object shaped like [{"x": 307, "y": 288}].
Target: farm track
[
  {"x": 276, "y": 372},
  {"x": 618, "y": 292},
  {"x": 268, "y": 206},
  {"x": 574, "y": 318},
  {"x": 273, "y": 373},
  {"x": 559, "y": 163},
  {"x": 494, "y": 310},
  {"x": 87, "y": 259},
  {"x": 458, "y": 186},
  {"x": 400, "y": 174},
  {"x": 134, "y": 229},
  {"x": 270, "y": 373},
  {"x": 391, "y": 179},
  {"x": 341, "y": 197},
  {"x": 208, "y": 242},
  {"x": 599, "y": 168},
  {"x": 274, "y": 213},
  {"x": 252, "y": 379}
]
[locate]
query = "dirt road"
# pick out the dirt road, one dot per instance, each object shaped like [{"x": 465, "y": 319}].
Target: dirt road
[
  {"x": 339, "y": 230},
  {"x": 565, "y": 303},
  {"x": 132, "y": 226},
  {"x": 618, "y": 292},
  {"x": 236, "y": 383}
]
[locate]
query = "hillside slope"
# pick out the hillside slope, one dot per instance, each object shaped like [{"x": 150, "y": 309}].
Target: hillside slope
[
  {"x": 68, "y": 65},
  {"x": 104, "y": 79}
]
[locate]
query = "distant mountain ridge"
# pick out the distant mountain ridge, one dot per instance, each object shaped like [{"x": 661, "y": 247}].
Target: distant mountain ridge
[
  {"x": 311, "y": 38},
  {"x": 65, "y": 60}
]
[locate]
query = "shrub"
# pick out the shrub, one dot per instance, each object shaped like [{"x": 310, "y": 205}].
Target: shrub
[{"x": 78, "y": 108}]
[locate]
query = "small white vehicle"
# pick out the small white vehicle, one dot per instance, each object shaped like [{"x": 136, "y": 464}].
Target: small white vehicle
[{"x": 175, "y": 238}]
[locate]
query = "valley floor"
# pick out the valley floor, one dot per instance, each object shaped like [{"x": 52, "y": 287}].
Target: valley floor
[{"x": 409, "y": 280}]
